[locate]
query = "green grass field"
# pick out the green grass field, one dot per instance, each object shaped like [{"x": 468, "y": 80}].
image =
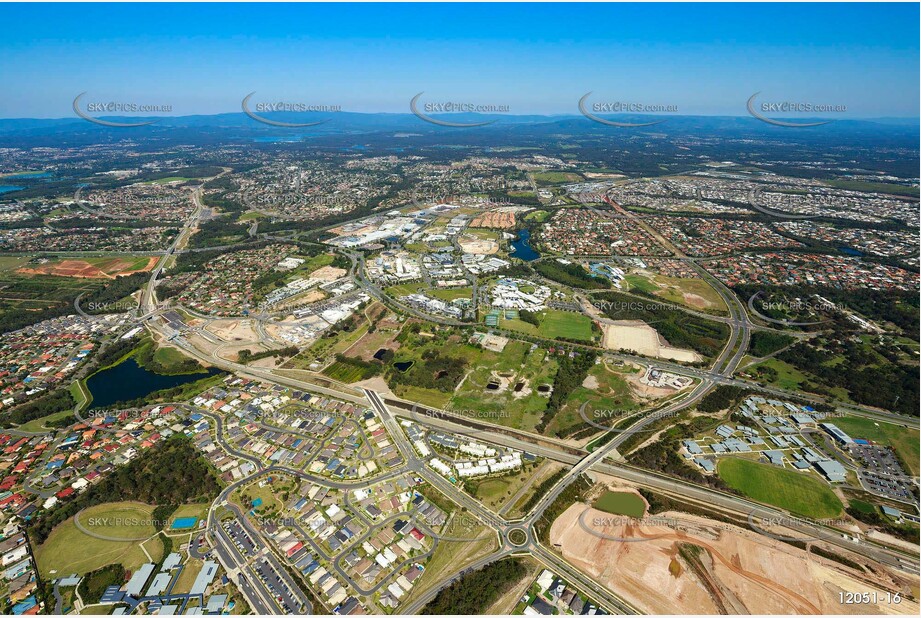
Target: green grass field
[
  {"x": 545, "y": 178},
  {"x": 905, "y": 441},
  {"x": 38, "y": 424},
  {"x": 169, "y": 357},
  {"x": 613, "y": 392},
  {"x": 553, "y": 324},
  {"x": 348, "y": 372},
  {"x": 796, "y": 492},
  {"x": 641, "y": 283},
  {"x": 69, "y": 550},
  {"x": 673, "y": 289},
  {"x": 10, "y": 262},
  {"x": 538, "y": 215},
  {"x": 788, "y": 376},
  {"x": 621, "y": 503},
  {"x": 451, "y": 293},
  {"x": 167, "y": 180},
  {"x": 565, "y": 325}
]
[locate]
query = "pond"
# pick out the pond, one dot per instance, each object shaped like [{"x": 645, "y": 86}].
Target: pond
[
  {"x": 403, "y": 365},
  {"x": 128, "y": 380},
  {"x": 522, "y": 247},
  {"x": 621, "y": 503}
]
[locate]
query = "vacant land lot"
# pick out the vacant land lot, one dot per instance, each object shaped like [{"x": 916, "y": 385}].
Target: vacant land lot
[
  {"x": 70, "y": 550},
  {"x": 794, "y": 491},
  {"x": 92, "y": 268},
  {"x": 515, "y": 366},
  {"x": 554, "y": 178},
  {"x": 349, "y": 371},
  {"x": 607, "y": 395},
  {"x": 694, "y": 293}
]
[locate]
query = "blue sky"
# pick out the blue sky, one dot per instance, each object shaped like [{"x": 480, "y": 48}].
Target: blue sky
[{"x": 535, "y": 58}]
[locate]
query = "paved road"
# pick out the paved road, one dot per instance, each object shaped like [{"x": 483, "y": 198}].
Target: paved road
[{"x": 720, "y": 372}]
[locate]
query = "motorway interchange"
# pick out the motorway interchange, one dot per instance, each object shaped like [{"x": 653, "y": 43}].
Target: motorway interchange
[{"x": 268, "y": 586}]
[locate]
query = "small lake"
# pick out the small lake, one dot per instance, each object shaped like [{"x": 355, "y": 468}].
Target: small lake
[
  {"x": 621, "y": 503},
  {"x": 9, "y": 188},
  {"x": 522, "y": 247},
  {"x": 850, "y": 251},
  {"x": 128, "y": 380},
  {"x": 403, "y": 365}
]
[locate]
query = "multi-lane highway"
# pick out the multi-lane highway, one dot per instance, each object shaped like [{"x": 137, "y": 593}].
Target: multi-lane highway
[{"x": 721, "y": 372}]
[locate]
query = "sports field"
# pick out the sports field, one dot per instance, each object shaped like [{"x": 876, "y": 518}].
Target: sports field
[
  {"x": 796, "y": 492},
  {"x": 71, "y": 550},
  {"x": 566, "y": 325}
]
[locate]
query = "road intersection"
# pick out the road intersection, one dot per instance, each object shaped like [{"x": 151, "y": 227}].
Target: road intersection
[{"x": 603, "y": 459}]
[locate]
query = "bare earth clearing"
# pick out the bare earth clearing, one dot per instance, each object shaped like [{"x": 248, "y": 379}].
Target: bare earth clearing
[{"x": 741, "y": 571}]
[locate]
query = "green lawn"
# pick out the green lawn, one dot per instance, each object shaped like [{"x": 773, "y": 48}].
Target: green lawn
[
  {"x": 565, "y": 325},
  {"x": 38, "y": 424},
  {"x": 641, "y": 283},
  {"x": 621, "y": 503},
  {"x": 451, "y": 293},
  {"x": 168, "y": 356},
  {"x": 553, "y": 324},
  {"x": 905, "y": 441},
  {"x": 405, "y": 289},
  {"x": 788, "y": 376},
  {"x": 69, "y": 550},
  {"x": 538, "y": 215},
  {"x": 545, "y": 178},
  {"x": 796, "y": 492}
]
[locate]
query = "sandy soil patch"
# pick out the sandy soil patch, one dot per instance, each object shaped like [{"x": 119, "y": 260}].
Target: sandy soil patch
[
  {"x": 739, "y": 569},
  {"x": 477, "y": 246},
  {"x": 494, "y": 219},
  {"x": 590, "y": 382},
  {"x": 81, "y": 269},
  {"x": 328, "y": 273},
  {"x": 695, "y": 300},
  {"x": 377, "y": 383},
  {"x": 233, "y": 330},
  {"x": 644, "y": 339}
]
